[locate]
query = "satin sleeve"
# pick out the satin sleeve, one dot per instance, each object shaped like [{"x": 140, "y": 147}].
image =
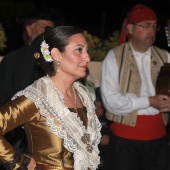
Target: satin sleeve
[{"x": 13, "y": 114}]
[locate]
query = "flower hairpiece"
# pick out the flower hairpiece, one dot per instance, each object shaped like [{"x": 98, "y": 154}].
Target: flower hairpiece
[{"x": 45, "y": 51}]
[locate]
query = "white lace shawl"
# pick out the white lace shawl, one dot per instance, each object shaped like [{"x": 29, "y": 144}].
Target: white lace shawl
[{"x": 65, "y": 124}]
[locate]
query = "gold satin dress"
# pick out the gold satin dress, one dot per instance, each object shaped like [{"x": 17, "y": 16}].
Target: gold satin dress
[{"x": 46, "y": 148}]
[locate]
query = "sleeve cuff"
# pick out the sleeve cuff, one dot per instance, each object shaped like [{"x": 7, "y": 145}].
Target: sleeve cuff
[
  {"x": 141, "y": 103},
  {"x": 24, "y": 163},
  {"x": 16, "y": 163}
]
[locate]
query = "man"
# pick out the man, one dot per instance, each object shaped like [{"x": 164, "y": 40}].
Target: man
[
  {"x": 129, "y": 72},
  {"x": 19, "y": 68}
]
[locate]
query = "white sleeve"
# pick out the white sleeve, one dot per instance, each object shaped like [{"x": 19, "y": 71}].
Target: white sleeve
[{"x": 112, "y": 98}]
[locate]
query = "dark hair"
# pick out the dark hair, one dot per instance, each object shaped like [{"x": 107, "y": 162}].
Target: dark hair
[{"x": 57, "y": 37}]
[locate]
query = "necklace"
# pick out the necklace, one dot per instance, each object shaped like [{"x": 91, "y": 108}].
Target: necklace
[
  {"x": 75, "y": 100},
  {"x": 79, "y": 132},
  {"x": 86, "y": 136}
]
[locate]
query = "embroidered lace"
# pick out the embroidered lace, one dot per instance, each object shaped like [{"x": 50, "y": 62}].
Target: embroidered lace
[{"x": 66, "y": 124}]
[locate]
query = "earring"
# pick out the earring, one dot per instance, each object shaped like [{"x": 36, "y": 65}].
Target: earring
[{"x": 58, "y": 65}]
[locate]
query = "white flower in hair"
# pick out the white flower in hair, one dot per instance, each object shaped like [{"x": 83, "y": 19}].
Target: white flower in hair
[{"x": 45, "y": 51}]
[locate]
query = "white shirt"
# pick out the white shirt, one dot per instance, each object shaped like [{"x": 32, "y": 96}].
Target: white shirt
[{"x": 113, "y": 100}]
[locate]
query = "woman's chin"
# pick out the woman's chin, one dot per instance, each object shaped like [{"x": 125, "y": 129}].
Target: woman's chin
[{"x": 83, "y": 75}]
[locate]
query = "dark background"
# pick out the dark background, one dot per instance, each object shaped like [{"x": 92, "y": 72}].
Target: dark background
[{"x": 98, "y": 17}]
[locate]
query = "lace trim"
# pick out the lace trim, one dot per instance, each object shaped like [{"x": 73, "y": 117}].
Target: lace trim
[{"x": 66, "y": 124}]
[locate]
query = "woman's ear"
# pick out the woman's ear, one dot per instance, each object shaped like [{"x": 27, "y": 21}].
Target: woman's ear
[{"x": 55, "y": 53}]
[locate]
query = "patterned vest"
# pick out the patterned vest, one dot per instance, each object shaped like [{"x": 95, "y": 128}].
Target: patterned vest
[{"x": 129, "y": 77}]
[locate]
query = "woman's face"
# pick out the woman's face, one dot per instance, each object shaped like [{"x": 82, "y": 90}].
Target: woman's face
[{"x": 75, "y": 57}]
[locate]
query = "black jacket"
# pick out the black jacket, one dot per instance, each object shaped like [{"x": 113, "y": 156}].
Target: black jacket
[{"x": 18, "y": 69}]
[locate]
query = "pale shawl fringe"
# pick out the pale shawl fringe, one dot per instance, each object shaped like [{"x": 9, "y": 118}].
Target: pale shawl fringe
[{"x": 66, "y": 124}]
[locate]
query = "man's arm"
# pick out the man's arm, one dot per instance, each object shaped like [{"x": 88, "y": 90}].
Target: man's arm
[{"x": 112, "y": 98}]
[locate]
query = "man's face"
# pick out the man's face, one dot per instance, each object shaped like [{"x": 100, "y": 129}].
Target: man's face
[
  {"x": 37, "y": 28},
  {"x": 143, "y": 33}
]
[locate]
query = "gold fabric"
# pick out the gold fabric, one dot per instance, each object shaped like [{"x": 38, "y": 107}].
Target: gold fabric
[
  {"x": 45, "y": 147},
  {"x": 47, "y": 167}
]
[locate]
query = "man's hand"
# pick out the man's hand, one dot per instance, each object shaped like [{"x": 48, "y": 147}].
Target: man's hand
[
  {"x": 104, "y": 140},
  {"x": 160, "y": 102},
  {"x": 165, "y": 107}
]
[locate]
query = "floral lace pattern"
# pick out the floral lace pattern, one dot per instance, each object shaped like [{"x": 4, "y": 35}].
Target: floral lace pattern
[{"x": 66, "y": 124}]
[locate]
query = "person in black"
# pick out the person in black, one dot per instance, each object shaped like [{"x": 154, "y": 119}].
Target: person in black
[{"x": 19, "y": 68}]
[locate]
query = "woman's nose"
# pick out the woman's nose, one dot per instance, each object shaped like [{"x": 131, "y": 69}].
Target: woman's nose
[{"x": 87, "y": 57}]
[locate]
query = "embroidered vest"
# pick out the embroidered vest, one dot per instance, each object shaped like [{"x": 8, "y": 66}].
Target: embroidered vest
[{"x": 129, "y": 77}]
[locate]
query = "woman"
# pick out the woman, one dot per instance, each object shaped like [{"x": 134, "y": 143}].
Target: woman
[{"x": 57, "y": 111}]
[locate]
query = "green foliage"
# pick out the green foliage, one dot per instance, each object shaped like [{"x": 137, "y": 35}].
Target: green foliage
[{"x": 98, "y": 48}]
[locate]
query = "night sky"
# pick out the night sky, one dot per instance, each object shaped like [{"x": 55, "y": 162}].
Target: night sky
[
  {"x": 98, "y": 17},
  {"x": 101, "y": 17}
]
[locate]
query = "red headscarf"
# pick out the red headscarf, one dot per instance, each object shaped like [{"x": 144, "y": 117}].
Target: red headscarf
[{"x": 137, "y": 14}]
